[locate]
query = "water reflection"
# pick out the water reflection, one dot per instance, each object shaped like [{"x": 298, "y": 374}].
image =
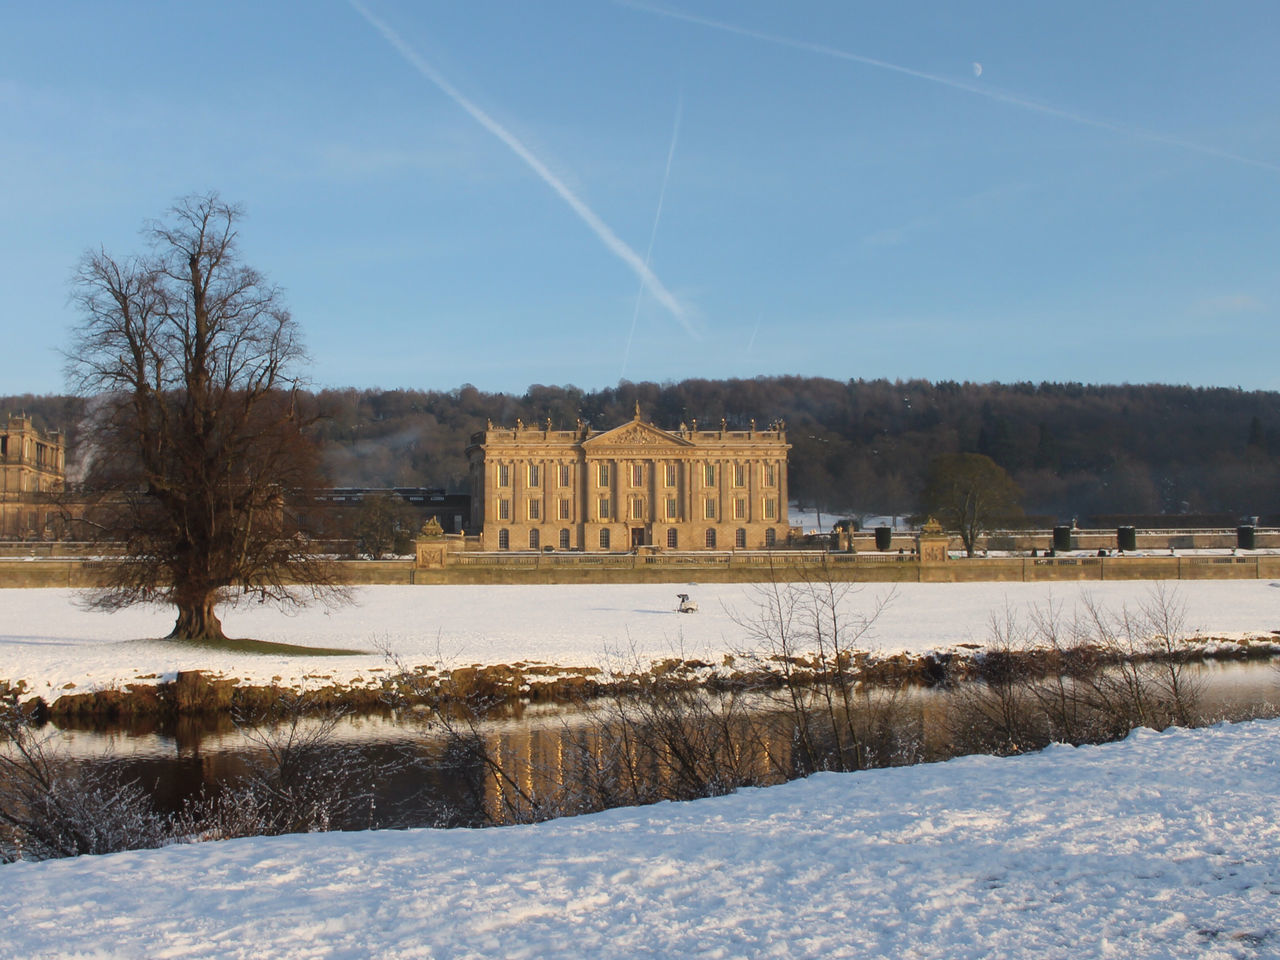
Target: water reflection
[{"x": 492, "y": 769}]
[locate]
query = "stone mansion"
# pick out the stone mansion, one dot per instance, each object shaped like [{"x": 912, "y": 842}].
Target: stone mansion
[
  {"x": 32, "y": 467},
  {"x": 535, "y": 488}
]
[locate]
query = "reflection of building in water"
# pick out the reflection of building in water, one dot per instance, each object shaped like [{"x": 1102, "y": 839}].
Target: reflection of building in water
[
  {"x": 595, "y": 764},
  {"x": 636, "y": 485},
  {"x": 580, "y": 766}
]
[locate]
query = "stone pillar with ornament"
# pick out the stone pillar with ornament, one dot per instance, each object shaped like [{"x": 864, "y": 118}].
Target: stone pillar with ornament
[
  {"x": 932, "y": 543},
  {"x": 431, "y": 546}
]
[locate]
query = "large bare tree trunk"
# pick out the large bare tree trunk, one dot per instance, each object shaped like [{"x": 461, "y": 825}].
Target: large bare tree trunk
[{"x": 196, "y": 618}]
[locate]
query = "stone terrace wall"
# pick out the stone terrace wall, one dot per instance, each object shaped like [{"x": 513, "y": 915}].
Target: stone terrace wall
[
  {"x": 724, "y": 568},
  {"x": 731, "y": 568}
]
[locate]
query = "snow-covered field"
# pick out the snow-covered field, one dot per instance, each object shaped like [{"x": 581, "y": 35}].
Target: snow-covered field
[
  {"x": 1164, "y": 845},
  {"x": 53, "y": 645}
]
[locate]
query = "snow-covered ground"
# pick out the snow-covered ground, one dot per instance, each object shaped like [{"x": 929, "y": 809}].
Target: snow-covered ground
[
  {"x": 1164, "y": 845},
  {"x": 53, "y": 645}
]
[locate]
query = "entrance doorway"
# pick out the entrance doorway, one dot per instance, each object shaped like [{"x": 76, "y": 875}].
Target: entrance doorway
[{"x": 637, "y": 537}]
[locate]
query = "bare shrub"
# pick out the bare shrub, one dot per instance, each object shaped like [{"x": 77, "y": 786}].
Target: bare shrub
[
  {"x": 301, "y": 782},
  {"x": 51, "y": 807},
  {"x": 1068, "y": 658},
  {"x": 1146, "y": 682},
  {"x": 806, "y": 634},
  {"x": 692, "y": 743},
  {"x": 998, "y": 712},
  {"x": 1089, "y": 679}
]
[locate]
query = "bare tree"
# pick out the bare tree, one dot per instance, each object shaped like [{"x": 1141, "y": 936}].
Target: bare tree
[
  {"x": 199, "y": 451},
  {"x": 968, "y": 493},
  {"x": 385, "y": 524}
]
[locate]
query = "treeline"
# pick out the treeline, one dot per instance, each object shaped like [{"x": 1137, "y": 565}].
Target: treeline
[{"x": 857, "y": 445}]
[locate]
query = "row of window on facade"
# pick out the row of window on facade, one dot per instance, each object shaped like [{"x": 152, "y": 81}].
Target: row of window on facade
[
  {"x": 604, "y": 474},
  {"x": 44, "y": 455},
  {"x": 636, "y": 509},
  {"x": 35, "y": 522},
  {"x": 606, "y": 539}
]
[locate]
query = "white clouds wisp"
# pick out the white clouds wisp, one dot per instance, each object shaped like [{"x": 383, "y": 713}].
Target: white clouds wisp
[
  {"x": 611, "y": 240},
  {"x": 984, "y": 90}
]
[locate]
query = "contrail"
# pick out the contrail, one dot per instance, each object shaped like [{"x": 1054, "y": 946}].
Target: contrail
[
  {"x": 611, "y": 240},
  {"x": 981, "y": 91},
  {"x": 648, "y": 253}
]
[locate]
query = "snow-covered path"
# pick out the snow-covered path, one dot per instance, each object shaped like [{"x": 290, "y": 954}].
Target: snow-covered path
[
  {"x": 46, "y": 640},
  {"x": 1164, "y": 845}
]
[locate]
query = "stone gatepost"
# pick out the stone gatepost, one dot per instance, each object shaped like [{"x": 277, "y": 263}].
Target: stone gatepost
[
  {"x": 431, "y": 546},
  {"x": 932, "y": 543}
]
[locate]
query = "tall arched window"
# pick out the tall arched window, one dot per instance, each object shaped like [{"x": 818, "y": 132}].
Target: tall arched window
[
  {"x": 771, "y": 537},
  {"x": 534, "y": 540},
  {"x": 604, "y": 539},
  {"x": 711, "y": 539},
  {"x": 564, "y": 539},
  {"x": 740, "y": 538},
  {"x": 673, "y": 539},
  {"x": 504, "y": 539}
]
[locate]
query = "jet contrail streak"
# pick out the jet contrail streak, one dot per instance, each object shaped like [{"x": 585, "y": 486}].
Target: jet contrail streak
[
  {"x": 662, "y": 196},
  {"x": 981, "y": 91},
  {"x": 612, "y": 241}
]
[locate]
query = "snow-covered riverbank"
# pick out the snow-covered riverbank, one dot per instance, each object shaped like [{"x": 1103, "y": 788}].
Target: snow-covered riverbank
[
  {"x": 54, "y": 646},
  {"x": 1166, "y": 844}
]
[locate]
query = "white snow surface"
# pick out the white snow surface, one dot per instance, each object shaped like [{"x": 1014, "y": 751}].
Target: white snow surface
[
  {"x": 1163, "y": 845},
  {"x": 48, "y": 640}
]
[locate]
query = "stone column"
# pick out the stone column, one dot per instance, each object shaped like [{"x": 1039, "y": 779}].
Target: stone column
[
  {"x": 784, "y": 514},
  {"x": 685, "y": 495},
  {"x": 549, "y": 516},
  {"x": 615, "y": 496},
  {"x": 725, "y": 539}
]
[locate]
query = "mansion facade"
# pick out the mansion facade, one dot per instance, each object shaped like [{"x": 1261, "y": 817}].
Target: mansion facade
[
  {"x": 633, "y": 486},
  {"x": 33, "y": 466}
]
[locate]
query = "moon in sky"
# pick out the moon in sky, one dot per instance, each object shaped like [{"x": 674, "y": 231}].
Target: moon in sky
[{"x": 977, "y": 69}]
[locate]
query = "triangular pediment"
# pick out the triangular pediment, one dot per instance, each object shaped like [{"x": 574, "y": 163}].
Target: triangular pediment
[{"x": 636, "y": 434}]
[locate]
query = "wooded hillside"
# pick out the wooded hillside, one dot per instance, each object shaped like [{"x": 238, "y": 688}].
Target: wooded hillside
[{"x": 858, "y": 446}]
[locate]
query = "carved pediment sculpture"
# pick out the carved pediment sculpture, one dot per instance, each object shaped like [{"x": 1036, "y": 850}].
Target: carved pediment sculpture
[
  {"x": 636, "y": 434},
  {"x": 632, "y": 435}
]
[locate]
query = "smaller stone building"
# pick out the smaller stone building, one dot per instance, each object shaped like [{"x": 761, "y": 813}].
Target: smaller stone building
[
  {"x": 537, "y": 488},
  {"x": 33, "y": 467}
]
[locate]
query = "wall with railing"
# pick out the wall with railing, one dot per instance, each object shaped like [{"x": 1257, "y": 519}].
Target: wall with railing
[{"x": 1092, "y": 540}]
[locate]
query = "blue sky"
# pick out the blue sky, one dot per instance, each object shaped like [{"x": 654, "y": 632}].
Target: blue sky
[{"x": 580, "y": 191}]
